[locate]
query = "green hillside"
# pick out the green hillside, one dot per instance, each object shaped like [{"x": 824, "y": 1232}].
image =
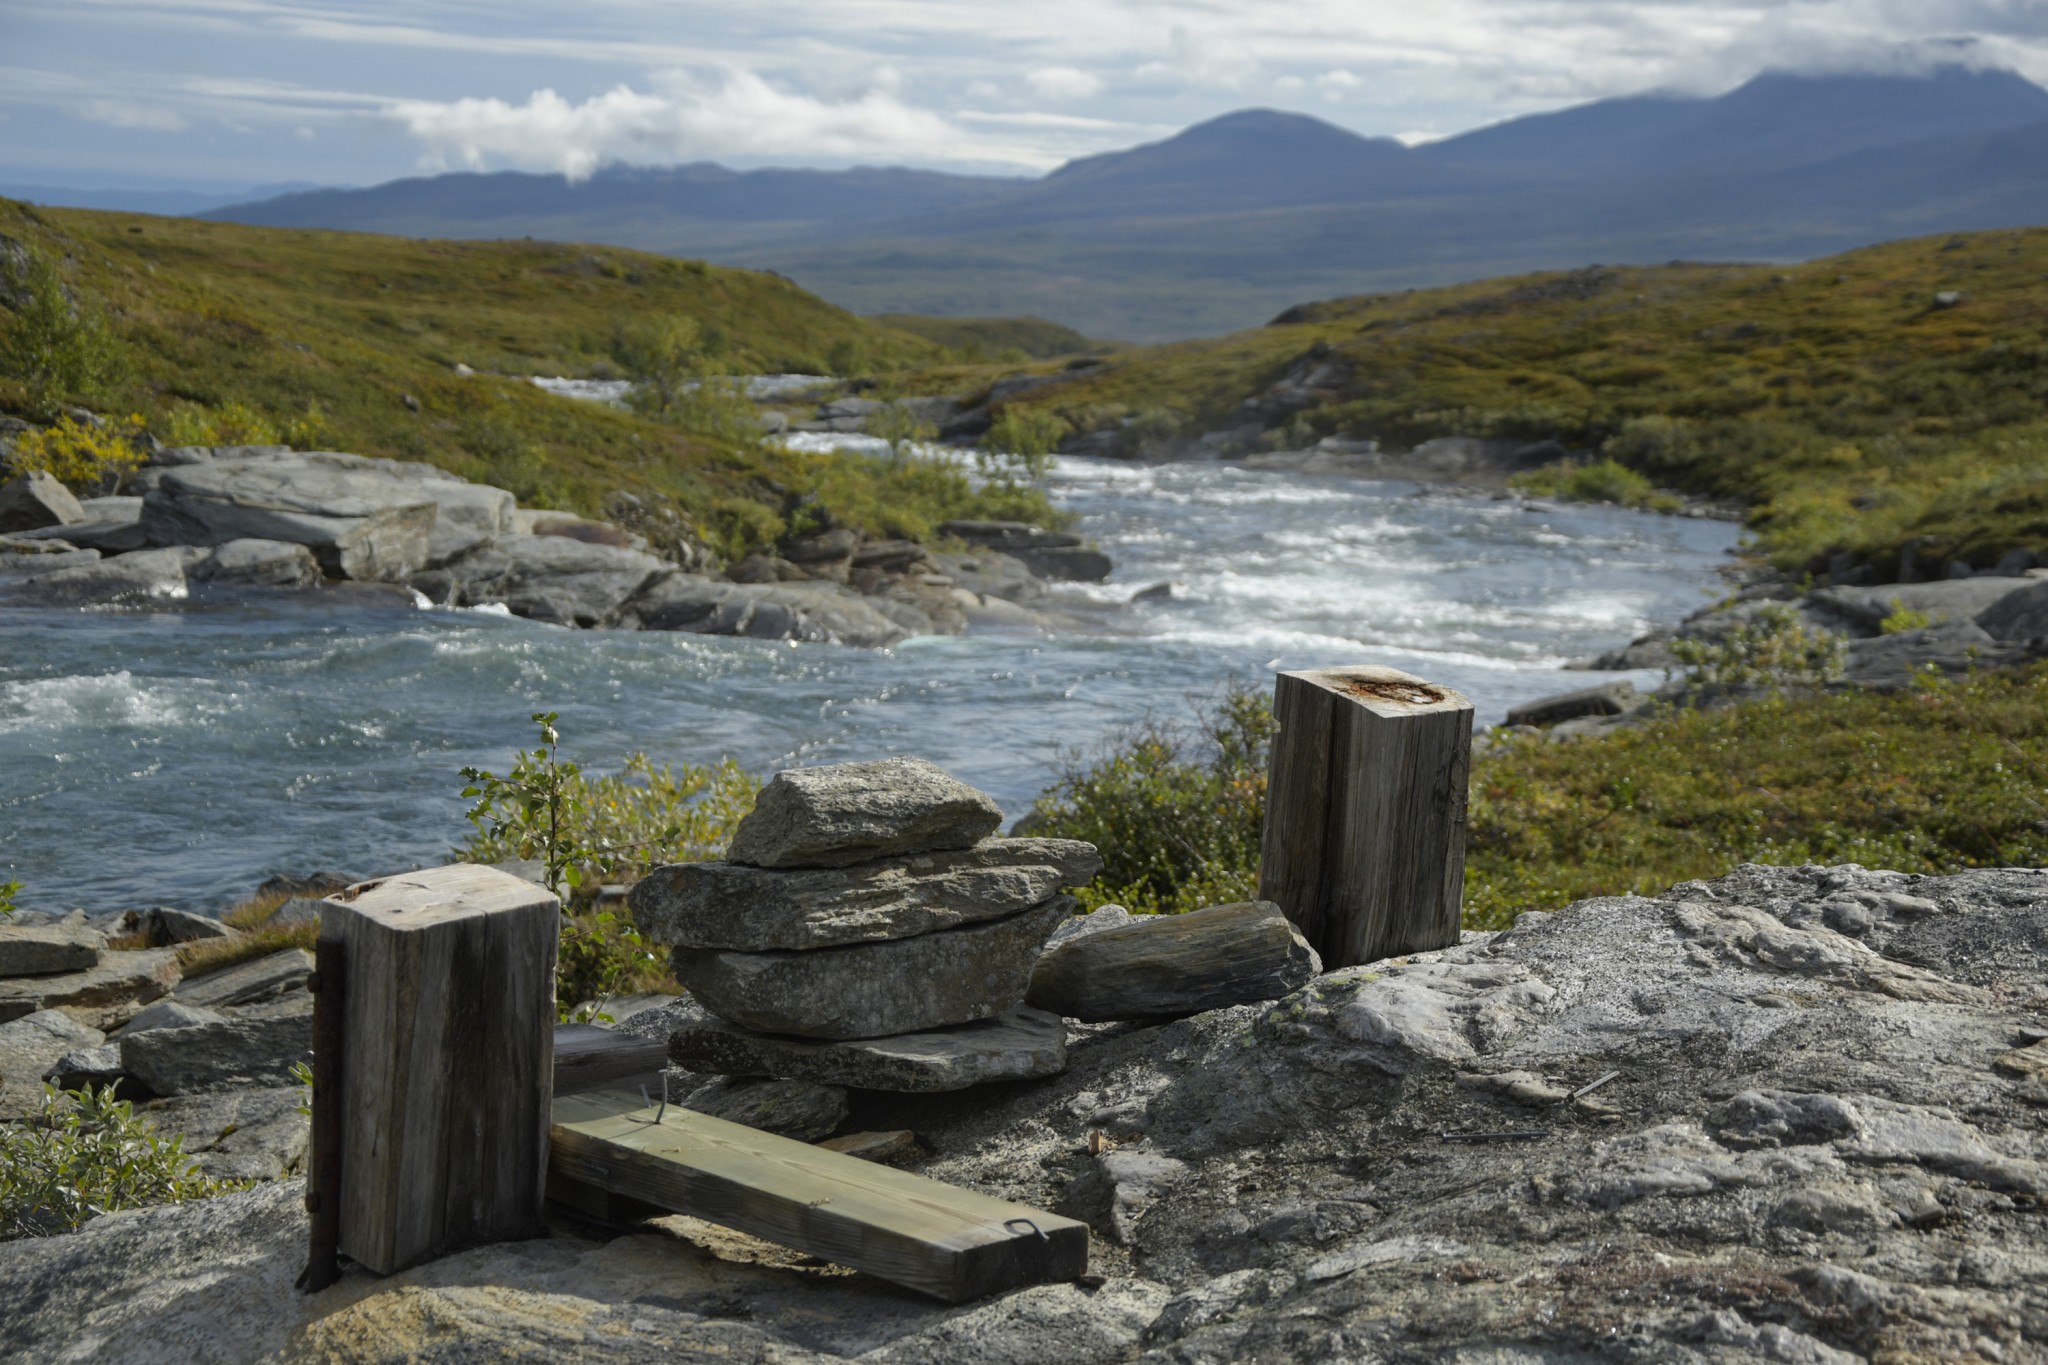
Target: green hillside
[
  {"x": 1850, "y": 408},
  {"x": 352, "y": 341},
  {"x": 996, "y": 339}
]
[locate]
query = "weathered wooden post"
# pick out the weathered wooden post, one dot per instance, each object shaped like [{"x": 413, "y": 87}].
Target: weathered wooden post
[
  {"x": 1364, "y": 846},
  {"x": 447, "y": 1017}
]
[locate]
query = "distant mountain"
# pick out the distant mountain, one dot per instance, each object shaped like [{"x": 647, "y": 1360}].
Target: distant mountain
[
  {"x": 176, "y": 203},
  {"x": 1228, "y": 222}
]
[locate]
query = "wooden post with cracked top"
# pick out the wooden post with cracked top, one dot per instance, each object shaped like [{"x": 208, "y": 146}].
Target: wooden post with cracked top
[
  {"x": 1364, "y": 844},
  {"x": 448, "y": 1049}
]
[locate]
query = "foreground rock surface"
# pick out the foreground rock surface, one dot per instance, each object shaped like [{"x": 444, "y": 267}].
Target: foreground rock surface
[
  {"x": 731, "y": 905},
  {"x": 870, "y": 990},
  {"x": 1820, "y": 1147},
  {"x": 1167, "y": 966}
]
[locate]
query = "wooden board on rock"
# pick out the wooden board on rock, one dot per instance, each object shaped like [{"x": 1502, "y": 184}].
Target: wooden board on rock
[{"x": 951, "y": 1243}]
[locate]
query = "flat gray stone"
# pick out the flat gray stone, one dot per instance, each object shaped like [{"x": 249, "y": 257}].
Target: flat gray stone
[
  {"x": 69, "y": 945},
  {"x": 246, "y": 983},
  {"x": 103, "y": 997},
  {"x": 1021, "y": 1044},
  {"x": 803, "y": 1110},
  {"x": 238, "y": 1054},
  {"x": 732, "y": 905},
  {"x": 1168, "y": 966},
  {"x": 1955, "y": 599},
  {"x": 361, "y": 519},
  {"x": 556, "y": 579},
  {"x": 824, "y": 612},
  {"x": 871, "y": 990},
  {"x": 845, "y": 813},
  {"x": 29, "y": 1047},
  {"x": 145, "y": 578},
  {"x": 31, "y": 501},
  {"x": 170, "y": 1014},
  {"x": 259, "y": 564}
]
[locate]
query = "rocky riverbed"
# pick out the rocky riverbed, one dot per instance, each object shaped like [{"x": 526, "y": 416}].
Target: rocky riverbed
[
  {"x": 224, "y": 522},
  {"x": 1793, "y": 1114}
]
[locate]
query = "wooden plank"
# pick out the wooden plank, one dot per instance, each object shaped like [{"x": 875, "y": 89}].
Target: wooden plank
[
  {"x": 448, "y": 1032},
  {"x": 1364, "y": 844},
  {"x": 951, "y": 1243},
  {"x": 589, "y": 1056},
  {"x": 329, "y": 984}
]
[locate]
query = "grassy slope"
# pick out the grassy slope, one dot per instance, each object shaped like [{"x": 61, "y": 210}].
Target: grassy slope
[
  {"x": 996, "y": 338},
  {"x": 334, "y": 330},
  {"x": 1850, "y": 411}
]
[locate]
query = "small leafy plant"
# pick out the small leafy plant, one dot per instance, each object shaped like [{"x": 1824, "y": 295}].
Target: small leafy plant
[
  {"x": 588, "y": 830},
  {"x": 1775, "y": 650},
  {"x": 85, "y": 1154},
  {"x": 1901, "y": 619},
  {"x": 8, "y": 891},
  {"x": 58, "y": 347}
]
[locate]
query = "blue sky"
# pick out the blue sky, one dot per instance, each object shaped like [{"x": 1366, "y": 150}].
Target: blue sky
[{"x": 233, "y": 92}]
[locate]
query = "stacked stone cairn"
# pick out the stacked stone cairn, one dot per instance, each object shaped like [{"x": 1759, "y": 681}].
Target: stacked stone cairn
[{"x": 865, "y": 929}]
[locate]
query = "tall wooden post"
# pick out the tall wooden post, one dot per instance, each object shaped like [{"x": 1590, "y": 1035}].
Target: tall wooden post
[
  {"x": 1364, "y": 846},
  {"x": 448, "y": 1043}
]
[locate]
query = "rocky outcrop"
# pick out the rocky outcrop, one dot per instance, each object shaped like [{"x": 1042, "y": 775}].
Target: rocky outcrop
[
  {"x": 104, "y": 996},
  {"x": 360, "y": 519},
  {"x": 1815, "y": 1136},
  {"x": 1049, "y": 554},
  {"x": 29, "y": 1047},
  {"x": 557, "y": 579},
  {"x": 236, "y": 1054},
  {"x": 232, "y": 520},
  {"x": 802, "y": 1110},
  {"x": 32, "y": 501}
]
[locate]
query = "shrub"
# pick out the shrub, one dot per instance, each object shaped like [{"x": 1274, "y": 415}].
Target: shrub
[
  {"x": 8, "y": 891},
  {"x": 1603, "y": 480},
  {"x": 1175, "y": 809},
  {"x": 899, "y": 425},
  {"x": 230, "y": 423},
  {"x": 57, "y": 347},
  {"x": 1774, "y": 650},
  {"x": 87, "y": 458},
  {"x": 590, "y": 830},
  {"x": 660, "y": 356},
  {"x": 84, "y": 1155},
  {"x": 1902, "y": 618}
]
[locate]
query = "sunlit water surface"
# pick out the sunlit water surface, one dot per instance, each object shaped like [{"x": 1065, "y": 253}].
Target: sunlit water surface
[{"x": 178, "y": 757}]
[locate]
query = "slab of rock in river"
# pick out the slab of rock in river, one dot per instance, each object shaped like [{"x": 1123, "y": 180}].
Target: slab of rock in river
[
  {"x": 556, "y": 579},
  {"x": 235, "y": 1055},
  {"x": 732, "y": 905},
  {"x": 845, "y": 813},
  {"x": 1166, "y": 966},
  {"x": 360, "y": 521},
  {"x": 824, "y": 612},
  {"x": 871, "y": 990},
  {"x": 69, "y": 945},
  {"x": 1020, "y": 1044},
  {"x": 132, "y": 580}
]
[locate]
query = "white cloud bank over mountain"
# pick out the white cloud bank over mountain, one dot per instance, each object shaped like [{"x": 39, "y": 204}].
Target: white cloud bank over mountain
[{"x": 377, "y": 84}]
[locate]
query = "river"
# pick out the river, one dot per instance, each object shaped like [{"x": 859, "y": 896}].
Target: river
[{"x": 178, "y": 757}]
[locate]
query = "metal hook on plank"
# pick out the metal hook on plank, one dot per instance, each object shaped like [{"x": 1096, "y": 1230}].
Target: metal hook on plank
[{"x": 1010, "y": 1225}]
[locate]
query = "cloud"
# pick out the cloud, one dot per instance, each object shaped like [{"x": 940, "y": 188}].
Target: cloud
[
  {"x": 126, "y": 114},
  {"x": 744, "y": 116},
  {"x": 1063, "y": 83}
]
